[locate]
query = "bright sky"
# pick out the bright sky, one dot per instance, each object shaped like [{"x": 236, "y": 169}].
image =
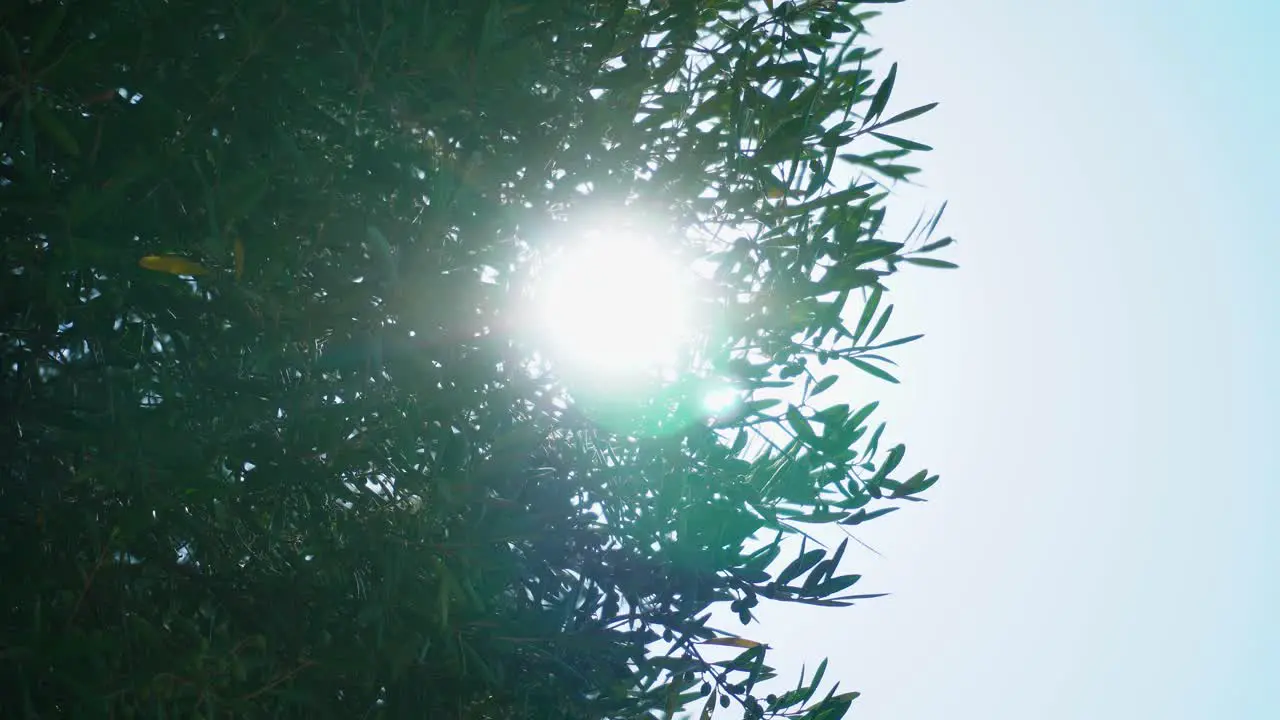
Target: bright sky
[{"x": 1096, "y": 383}]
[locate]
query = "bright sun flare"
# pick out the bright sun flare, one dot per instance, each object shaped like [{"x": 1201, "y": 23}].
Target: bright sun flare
[{"x": 616, "y": 304}]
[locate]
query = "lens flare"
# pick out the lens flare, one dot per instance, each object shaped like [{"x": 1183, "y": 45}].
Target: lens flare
[{"x": 615, "y": 305}]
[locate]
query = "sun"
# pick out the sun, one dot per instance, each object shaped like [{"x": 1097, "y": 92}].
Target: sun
[{"x": 615, "y": 304}]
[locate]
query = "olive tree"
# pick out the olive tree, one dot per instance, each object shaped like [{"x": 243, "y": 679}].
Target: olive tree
[{"x": 282, "y": 436}]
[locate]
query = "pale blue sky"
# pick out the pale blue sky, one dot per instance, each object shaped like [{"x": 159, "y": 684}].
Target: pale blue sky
[{"x": 1096, "y": 384}]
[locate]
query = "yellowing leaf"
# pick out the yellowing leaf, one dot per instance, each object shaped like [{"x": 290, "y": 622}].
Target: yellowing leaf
[
  {"x": 732, "y": 642},
  {"x": 774, "y": 193},
  {"x": 239, "y": 249},
  {"x": 172, "y": 264}
]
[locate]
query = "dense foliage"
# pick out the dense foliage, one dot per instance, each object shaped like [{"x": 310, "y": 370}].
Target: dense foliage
[{"x": 275, "y": 443}]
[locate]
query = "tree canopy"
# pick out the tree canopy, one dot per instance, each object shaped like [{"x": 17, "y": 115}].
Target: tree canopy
[{"x": 280, "y": 438}]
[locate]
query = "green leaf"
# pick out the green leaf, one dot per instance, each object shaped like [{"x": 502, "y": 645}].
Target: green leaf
[
  {"x": 937, "y": 245},
  {"x": 863, "y": 515},
  {"x": 891, "y": 343},
  {"x": 917, "y": 484},
  {"x": 820, "y": 517},
  {"x": 800, "y": 425},
  {"x": 755, "y": 406},
  {"x": 872, "y": 370},
  {"x": 843, "y": 277},
  {"x": 874, "y": 443},
  {"x": 903, "y": 142},
  {"x": 880, "y": 324},
  {"x": 868, "y": 312},
  {"x": 861, "y": 415},
  {"x": 709, "y": 708},
  {"x": 901, "y": 117},
  {"x": 933, "y": 222},
  {"x": 872, "y": 250},
  {"x": 898, "y": 172},
  {"x": 823, "y": 385},
  {"x": 834, "y": 199},
  {"x": 835, "y": 585},
  {"x": 799, "y": 566},
  {"x": 932, "y": 263},
  {"x": 881, "y": 98},
  {"x": 896, "y": 453},
  {"x": 783, "y": 143},
  {"x": 763, "y": 557}
]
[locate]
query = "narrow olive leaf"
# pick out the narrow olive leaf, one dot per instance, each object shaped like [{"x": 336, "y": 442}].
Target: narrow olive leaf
[
  {"x": 932, "y": 263},
  {"x": 891, "y": 343},
  {"x": 868, "y": 312},
  {"x": 868, "y": 596},
  {"x": 841, "y": 277},
  {"x": 895, "y": 458},
  {"x": 872, "y": 250},
  {"x": 835, "y": 585},
  {"x": 937, "y": 245},
  {"x": 896, "y": 453},
  {"x": 903, "y": 143},
  {"x": 823, "y": 385},
  {"x": 874, "y": 443},
  {"x": 856, "y": 420},
  {"x": 746, "y": 659},
  {"x": 898, "y": 172},
  {"x": 873, "y": 370},
  {"x": 172, "y": 264},
  {"x": 840, "y": 197},
  {"x": 918, "y": 483},
  {"x": 933, "y": 224},
  {"x": 800, "y": 424},
  {"x": 239, "y": 258},
  {"x": 865, "y": 355},
  {"x": 732, "y": 642},
  {"x": 881, "y": 98},
  {"x": 838, "y": 556},
  {"x": 880, "y": 325},
  {"x": 862, "y": 516},
  {"x": 821, "y": 573},
  {"x": 903, "y": 116},
  {"x": 756, "y": 406},
  {"x": 799, "y": 566},
  {"x": 710, "y": 707},
  {"x": 839, "y": 705},
  {"x": 821, "y": 517}
]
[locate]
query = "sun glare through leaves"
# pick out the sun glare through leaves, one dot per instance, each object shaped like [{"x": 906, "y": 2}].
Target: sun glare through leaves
[{"x": 615, "y": 306}]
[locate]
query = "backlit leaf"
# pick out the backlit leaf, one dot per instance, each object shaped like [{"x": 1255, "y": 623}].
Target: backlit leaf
[
  {"x": 731, "y": 642},
  {"x": 881, "y": 98},
  {"x": 932, "y": 263},
  {"x": 239, "y": 257},
  {"x": 872, "y": 370},
  {"x": 172, "y": 264},
  {"x": 903, "y": 142},
  {"x": 903, "y": 116}
]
